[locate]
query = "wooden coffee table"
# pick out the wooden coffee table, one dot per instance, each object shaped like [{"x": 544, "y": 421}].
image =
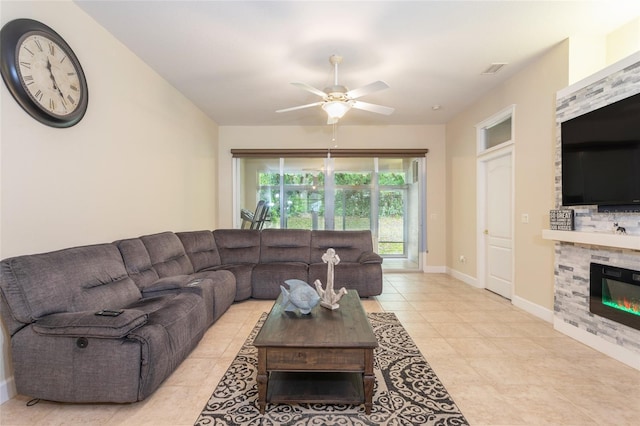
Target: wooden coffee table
[{"x": 324, "y": 357}]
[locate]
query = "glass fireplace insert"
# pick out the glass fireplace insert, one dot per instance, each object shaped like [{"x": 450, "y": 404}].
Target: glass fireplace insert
[{"x": 615, "y": 294}]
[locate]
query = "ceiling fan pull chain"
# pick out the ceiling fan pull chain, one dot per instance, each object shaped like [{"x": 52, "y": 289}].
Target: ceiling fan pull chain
[{"x": 334, "y": 137}]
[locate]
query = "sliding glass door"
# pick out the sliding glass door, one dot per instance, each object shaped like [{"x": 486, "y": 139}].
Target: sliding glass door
[{"x": 379, "y": 194}]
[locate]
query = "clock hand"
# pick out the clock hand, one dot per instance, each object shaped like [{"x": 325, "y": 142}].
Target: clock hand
[{"x": 55, "y": 84}]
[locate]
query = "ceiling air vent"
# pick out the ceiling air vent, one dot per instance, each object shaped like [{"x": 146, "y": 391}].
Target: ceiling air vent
[{"x": 494, "y": 68}]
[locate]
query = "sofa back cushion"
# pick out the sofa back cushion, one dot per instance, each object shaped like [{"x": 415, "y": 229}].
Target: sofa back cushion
[
  {"x": 137, "y": 262},
  {"x": 167, "y": 254},
  {"x": 238, "y": 245},
  {"x": 201, "y": 248},
  {"x": 285, "y": 245},
  {"x": 70, "y": 280},
  {"x": 349, "y": 245}
]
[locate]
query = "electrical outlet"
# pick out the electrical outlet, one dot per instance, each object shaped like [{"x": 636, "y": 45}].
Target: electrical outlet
[{"x": 462, "y": 259}]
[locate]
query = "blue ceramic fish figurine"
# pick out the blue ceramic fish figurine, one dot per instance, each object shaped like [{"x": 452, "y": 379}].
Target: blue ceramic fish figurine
[{"x": 300, "y": 296}]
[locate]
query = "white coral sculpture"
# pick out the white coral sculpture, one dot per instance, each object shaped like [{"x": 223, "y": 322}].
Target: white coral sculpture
[{"x": 329, "y": 298}]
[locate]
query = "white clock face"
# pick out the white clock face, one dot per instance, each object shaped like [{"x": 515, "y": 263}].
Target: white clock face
[{"x": 48, "y": 75}]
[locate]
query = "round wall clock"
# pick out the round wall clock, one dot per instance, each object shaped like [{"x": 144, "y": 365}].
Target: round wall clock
[{"x": 42, "y": 73}]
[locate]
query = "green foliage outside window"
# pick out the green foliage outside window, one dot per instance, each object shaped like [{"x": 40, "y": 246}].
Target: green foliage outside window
[
  {"x": 352, "y": 197},
  {"x": 304, "y": 198}
]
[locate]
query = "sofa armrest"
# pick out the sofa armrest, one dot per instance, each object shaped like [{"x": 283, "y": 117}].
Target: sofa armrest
[
  {"x": 88, "y": 324},
  {"x": 369, "y": 257}
]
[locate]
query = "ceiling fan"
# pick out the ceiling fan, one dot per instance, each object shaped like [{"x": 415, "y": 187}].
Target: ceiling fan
[{"x": 337, "y": 99}]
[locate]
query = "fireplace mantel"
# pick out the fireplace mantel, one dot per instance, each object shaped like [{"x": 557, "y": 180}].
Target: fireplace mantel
[{"x": 631, "y": 242}]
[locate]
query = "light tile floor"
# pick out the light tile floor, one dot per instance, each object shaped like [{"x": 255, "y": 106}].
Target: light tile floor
[{"x": 501, "y": 365}]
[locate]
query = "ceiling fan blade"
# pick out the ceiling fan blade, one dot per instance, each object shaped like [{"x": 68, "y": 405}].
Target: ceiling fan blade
[
  {"x": 373, "y": 108},
  {"x": 365, "y": 90},
  {"x": 311, "y": 89},
  {"x": 300, "y": 107}
]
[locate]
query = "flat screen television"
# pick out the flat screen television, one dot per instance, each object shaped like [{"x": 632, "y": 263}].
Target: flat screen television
[{"x": 601, "y": 156}]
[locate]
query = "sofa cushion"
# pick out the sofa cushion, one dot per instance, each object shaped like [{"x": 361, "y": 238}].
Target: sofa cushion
[
  {"x": 70, "y": 280},
  {"x": 242, "y": 275},
  {"x": 219, "y": 287},
  {"x": 137, "y": 261},
  {"x": 167, "y": 254},
  {"x": 349, "y": 245},
  {"x": 365, "y": 278},
  {"x": 285, "y": 245},
  {"x": 268, "y": 277},
  {"x": 370, "y": 257},
  {"x": 201, "y": 248},
  {"x": 238, "y": 245},
  {"x": 175, "y": 325}
]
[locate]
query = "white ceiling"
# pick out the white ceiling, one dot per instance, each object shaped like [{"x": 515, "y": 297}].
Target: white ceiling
[{"x": 235, "y": 59}]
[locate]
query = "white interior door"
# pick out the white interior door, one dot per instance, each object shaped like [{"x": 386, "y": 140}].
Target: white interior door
[{"x": 499, "y": 229}]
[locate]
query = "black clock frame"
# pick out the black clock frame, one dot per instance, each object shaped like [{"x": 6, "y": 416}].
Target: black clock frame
[{"x": 10, "y": 36}]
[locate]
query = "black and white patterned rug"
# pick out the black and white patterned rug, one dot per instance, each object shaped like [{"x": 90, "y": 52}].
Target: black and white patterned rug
[{"x": 407, "y": 391}]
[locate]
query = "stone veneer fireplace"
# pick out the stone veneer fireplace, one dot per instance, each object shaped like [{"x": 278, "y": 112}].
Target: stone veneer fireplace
[
  {"x": 573, "y": 257},
  {"x": 614, "y": 293}
]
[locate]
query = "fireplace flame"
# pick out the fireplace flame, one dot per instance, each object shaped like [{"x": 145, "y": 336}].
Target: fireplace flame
[{"x": 624, "y": 304}]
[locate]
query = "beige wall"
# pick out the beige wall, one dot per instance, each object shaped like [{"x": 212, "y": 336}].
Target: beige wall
[
  {"x": 142, "y": 160},
  {"x": 532, "y": 91},
  {"x": 351, "y": 137},
  {"x": 624, "y": 41},
  {"x": 587, "y": 54},
  {"x": 590, "y": 54}
]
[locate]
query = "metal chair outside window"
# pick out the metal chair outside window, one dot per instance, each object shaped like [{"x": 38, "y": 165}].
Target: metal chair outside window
[{"x": 256, "y": 219}]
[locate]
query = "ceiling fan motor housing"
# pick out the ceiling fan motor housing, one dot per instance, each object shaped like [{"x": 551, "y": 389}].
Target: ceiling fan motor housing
[
  {"x": 336, "y": 93},
  {"x": 335, "y": 59}
]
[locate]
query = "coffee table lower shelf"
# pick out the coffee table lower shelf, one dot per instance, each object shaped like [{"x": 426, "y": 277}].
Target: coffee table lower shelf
[{"x": 315, "y": 387}]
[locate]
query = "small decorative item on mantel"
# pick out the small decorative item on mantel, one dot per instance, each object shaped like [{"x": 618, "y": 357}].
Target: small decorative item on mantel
[
  {"x": 619, "y": 229},
  {"x": 300, "y": 296},
  {"x": 561, "y": 220},
  {"x": 328, "y": 297}
]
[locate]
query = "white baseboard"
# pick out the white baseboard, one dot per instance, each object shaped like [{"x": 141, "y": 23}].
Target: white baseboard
[
  {"x": 472, "y": 281},
  {"x": 616, "y": 352},
  {"x": 535, "y": 310},
  {"x": 435, "y": 269},
  {"x": 7, "y": 390}
]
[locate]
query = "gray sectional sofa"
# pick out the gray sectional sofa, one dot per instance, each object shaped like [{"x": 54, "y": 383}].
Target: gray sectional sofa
[{"x": 170, "y": 287}]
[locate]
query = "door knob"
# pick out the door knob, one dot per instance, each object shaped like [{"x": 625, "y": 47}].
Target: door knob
[{"x": 486, "y": 232}]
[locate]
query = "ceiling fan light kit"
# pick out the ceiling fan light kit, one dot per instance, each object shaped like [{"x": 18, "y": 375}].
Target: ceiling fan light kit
[
  {"x": 336, "y": 109},
  {"x": 337, "y": 100}
]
